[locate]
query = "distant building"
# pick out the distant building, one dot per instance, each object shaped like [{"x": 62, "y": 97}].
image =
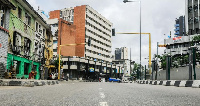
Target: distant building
[
  {"x": 180, "y": 43},
  {"x": 82, "y": 24},
  {"x": 192, "y": 16},
  {"x": 120, "y": 59},
  {"x": 180, "y": 26},
  {"x": 121, "y": 53}
]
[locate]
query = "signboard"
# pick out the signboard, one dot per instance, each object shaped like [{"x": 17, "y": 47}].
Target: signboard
[
  {"x": 176, "y": 39},
  {"x": 91, "y": 69}
]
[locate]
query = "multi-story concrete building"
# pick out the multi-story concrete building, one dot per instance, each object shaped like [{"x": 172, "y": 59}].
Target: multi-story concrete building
[
  {"x": 5, "y": 6},
  {"x": 192, "y": 16},
  {"x": 177, "y": 45},
  {"x": 27, "y": 31},
  {"x": 121, "y": 53},
  {"x": 90, "y": 27},
  {"x": 49, "y": 65},
  {"x": 120, "y": 59},
  {"x": 180, "y": 26}
]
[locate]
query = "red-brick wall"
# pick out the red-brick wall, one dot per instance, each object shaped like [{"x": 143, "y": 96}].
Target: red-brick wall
[
  {"x": 67, "y": 33},
  {"x": 54, "y": 14},
  {"x": 79, "y": 21}
]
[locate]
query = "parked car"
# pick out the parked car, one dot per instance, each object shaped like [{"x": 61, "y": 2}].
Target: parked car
[{"x": 114, "y": 80}]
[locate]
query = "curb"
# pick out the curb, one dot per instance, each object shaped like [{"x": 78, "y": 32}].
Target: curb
[
  {"x": 177, "y": 83},
  {"x": 27, "y": 83}
]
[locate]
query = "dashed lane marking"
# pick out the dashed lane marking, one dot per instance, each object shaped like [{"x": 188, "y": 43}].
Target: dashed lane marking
[
  {"x": 102, "y": 95},
  {"x": 103, "y": 103}
]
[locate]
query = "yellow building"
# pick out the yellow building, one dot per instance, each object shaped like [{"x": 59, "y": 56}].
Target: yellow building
[{"x": 48, "y": 54}]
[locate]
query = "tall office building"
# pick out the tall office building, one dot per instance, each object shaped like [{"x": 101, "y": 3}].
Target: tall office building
[
  {"x": 192, "y": 16},
  {"x": 122, "y": 62},
  {"x": 180, "y": 26},
  {"x": 91, "y": 28},
  {"x": 121, "y": 53}
]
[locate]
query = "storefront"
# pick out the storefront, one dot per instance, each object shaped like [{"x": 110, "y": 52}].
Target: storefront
[{"x": 22, "y": 66}]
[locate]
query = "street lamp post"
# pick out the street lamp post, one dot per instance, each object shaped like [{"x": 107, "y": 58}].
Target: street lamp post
[{"x": 140, "y": 27}]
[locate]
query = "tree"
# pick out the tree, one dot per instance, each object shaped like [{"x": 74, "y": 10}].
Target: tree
[
  {"x": 56, "y": 63},
  {"x": 162, "y": 60}
]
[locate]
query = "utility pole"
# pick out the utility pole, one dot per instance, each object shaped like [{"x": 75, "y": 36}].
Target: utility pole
[
  {"x": 145, "y": 73},
  {"x": 153, "y": 67},
  {"x": 157, "y": 62},
  {"x": 194, "y": 61},
  {"x": 190, "y": 63},
  {"x": 130, "y": 61},
  {"x": 168, "y": 61}
]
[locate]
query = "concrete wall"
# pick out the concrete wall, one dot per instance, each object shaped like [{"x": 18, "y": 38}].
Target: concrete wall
[
  {"x": 3, "y": 47},
  {"x": 181, "y": 73}
]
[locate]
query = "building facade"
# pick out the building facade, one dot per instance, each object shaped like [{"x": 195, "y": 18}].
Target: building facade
[
  {"x": 192, "y": 16},
  {"x": 180, "y": 26},
  {"x": 120, "y": 59},
  {"x": 121, "y": 53},
  {"x": 5, "y": 7},
  {"x": 91, "y": 28},
  {"x": 27, "y": 31},
  {"x": 49, "y": 64}
]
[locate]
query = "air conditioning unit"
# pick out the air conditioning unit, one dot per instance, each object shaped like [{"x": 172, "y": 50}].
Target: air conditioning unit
[
  {"x": 40, "y": 30},
  {"x": 25, "y": 44},
  {"x": 27, "y": 53},
  {"x": 28, "y": 44},
  {"x": 14, "y": 49}
]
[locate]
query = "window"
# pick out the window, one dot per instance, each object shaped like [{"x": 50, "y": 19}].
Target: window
[
  {"x": 19, "y": 12},
  {"x": 17, "y": 66},
  {"x": 43, "y": 32},
  {"x": 36, "y": 26},
  {"x": 54, "y": 50},
  {"x": 28, "y": 19},
  {"x": 2, "y": 13},
  {"x": 74, "y": 63},
  {"x": 26, "y": 68}
]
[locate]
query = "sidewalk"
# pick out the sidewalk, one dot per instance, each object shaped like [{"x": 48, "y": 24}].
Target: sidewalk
[
  {"x": 26, "y": 82},
  {"x": 177, "y": 83}
]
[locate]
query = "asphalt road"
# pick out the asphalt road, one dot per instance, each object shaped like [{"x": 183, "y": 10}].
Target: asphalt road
[{"x": 99, "y": 94}]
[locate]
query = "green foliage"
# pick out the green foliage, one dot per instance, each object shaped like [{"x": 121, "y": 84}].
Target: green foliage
[
  {"x": 163, "y": 61},
  {"x": 135, "y": 68},
  {"x": 195, "y": 39},
  {"x": 56, "y": 63}
]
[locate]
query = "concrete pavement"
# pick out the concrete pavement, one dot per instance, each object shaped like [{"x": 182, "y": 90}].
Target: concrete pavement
[{"x": 100, "y": 94}]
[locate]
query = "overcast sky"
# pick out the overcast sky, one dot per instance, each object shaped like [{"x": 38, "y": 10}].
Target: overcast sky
[{"x": 158, "y": 18}]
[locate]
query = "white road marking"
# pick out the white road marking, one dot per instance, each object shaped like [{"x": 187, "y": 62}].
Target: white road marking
[
  {"x": 103, "y": 103},
  {"x": 102, "y": 95}
]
